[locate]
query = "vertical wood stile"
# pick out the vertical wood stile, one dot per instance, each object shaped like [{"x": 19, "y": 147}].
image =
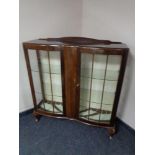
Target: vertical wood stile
[
  {"x": 63, "y": 81},
  {"x": 119, "y": 85},
  {"x": 30, "y": 76}
]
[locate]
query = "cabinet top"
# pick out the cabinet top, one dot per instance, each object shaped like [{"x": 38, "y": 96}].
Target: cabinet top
[{"x": 77, "y": 41}]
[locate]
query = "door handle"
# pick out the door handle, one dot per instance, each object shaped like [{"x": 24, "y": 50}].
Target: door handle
[{"x": 77, "y": 85}]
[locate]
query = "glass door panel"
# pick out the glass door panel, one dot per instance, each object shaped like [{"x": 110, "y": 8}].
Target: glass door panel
[
  {"x": 98, "y": 82},
  {"x": 46, "y": 73}
]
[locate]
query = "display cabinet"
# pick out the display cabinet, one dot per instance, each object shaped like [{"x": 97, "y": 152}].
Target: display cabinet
[{"x": 76, "y": 78}]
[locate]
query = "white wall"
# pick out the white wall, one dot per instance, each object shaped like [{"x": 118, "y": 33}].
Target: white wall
[
  {"x": 114, "y": 20},
  {"x": 104, "y": 19},
  {"x": 44, "y": 18}
]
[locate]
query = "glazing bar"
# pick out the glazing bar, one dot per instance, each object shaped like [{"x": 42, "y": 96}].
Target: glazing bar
[
  {"x": 41, "y": 77},
  {"x": 91, "y": 85},
  {"x": 103, "y": 86},
  {"x": 50, "y": 79}
]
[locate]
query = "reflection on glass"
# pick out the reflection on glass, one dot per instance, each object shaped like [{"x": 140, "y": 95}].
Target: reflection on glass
[
  {"x": 99, "y": 77},
  {"x": 46, "y": 72}
]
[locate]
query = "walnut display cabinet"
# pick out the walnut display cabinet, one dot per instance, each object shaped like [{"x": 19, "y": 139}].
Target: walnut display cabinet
[{"x": 76, "y": 78}]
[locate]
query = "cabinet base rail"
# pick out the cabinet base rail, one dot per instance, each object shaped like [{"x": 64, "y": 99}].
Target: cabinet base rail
[{"x": 111, "y": 129}]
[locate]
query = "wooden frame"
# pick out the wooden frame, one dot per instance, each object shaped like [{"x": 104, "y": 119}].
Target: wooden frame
[{"x": 71, "y": 49}]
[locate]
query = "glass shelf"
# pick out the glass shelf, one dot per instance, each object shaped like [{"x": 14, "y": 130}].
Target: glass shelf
[
  {"x": 111, "y": 75},
  {"x": 54, "y": 72},
  {"x": 95, "y": 84},
  {"x": 49, "y": 97},
  {"x": 86, "y": 104},
  {"x": 96, "y": 96}
]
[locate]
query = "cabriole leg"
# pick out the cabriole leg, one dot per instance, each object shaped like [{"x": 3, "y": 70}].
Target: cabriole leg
[
  {"x": 37, "y": 117},
  {"x": 111, "y": 131}
]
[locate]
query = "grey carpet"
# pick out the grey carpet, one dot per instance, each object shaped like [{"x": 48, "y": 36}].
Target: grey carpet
[{"x": 53, "y": 136}]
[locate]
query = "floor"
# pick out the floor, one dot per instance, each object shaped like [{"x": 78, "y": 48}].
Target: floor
[{"x": 53, "y": 136}]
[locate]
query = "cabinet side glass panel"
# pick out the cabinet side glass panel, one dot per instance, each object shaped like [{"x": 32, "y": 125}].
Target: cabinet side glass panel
[
  {"x": 98, "y": 82},
  {"x": 46, "y": 73}
]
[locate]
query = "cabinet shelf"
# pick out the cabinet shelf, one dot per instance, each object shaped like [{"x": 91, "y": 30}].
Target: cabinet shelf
[
  {"x": 50, "y": 97},
  {"x": 97, "y": 78},
  {"x": 45, "y": 72},
  {"x": 111, "y": 75},
  {"x": 96, "y": 96},
  {"x": 97, "y": 106},
  {"x": 82, "y": 100},
  {"x": 48, "y": 94}
]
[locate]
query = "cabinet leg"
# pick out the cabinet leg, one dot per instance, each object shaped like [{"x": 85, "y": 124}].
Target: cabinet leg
[
  {"x": 111, "y": 132},
  {"x": 37, "y": 117}
]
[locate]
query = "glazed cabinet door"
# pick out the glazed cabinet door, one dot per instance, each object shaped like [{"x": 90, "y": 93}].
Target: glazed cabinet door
[
  {"x": 46, "y": 79},
  {"x": 99, "y": 74}
]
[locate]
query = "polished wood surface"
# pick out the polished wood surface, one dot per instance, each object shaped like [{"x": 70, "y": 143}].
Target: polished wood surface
[
  {"x": 70, "y": 63},
  {"x": 71, "y": 49},
  {"x": 77, "y": 41}
]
